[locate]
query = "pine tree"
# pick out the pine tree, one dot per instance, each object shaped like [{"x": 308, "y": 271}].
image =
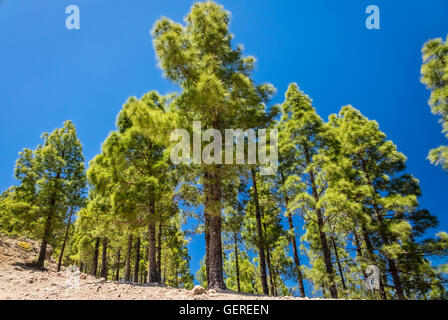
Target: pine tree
[
  {"x": 248, "y": 276},
  {"x": 435, "y": 76},
  {"x": 217, "y": 89},
  {"x": 234, "y": 213},
  {"x": 302, "y": 136},
  {"x": 51, "y": 183},
  {"x": 378, "y": 196},
  {"x": 261, "y": 243}
]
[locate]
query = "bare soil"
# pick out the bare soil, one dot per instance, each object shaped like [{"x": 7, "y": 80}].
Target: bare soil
[{"x": 19, "y": 280}]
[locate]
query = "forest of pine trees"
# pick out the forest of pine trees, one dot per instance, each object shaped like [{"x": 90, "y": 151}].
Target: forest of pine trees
[{"x": 341, "y": 200}]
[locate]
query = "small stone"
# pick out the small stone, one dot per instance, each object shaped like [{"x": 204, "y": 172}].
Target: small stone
[
  {"x": 102, "y": 280},
  {"x": 83, "y": 276},
  {"x": 198, "y": 290},
  {"x": 18, "y": 268},
  {"x": 30, "y": 280}
]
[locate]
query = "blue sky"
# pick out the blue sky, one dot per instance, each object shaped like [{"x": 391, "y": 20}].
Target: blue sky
[{"x": 49, "y": 74}]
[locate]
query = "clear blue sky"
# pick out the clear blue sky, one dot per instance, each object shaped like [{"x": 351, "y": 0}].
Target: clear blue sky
[{"x": 49, "y": 74}]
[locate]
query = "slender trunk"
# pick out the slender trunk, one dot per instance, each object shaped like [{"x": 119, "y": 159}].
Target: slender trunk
[
  {"x": 357, "y": 243},
  {"x": 323, "y": 237},
  {"x": 65, "y": 238},
  {"x": 271, "y": 278},
  {"x": 104, "y": 260},
  {"x": 207, "y": 244},
  {"x": 47, "y": 229},
  {"x": 127, "y": 270},
  {"x": 260, "y": 243},
  {"x": 145, "y": 274},
  {"x": 341, "y": 273},
  {"x": 212, "y": 209},
  {"x": 295, "y": 252},
  {"x": 359, "y": 250},
  {"x": 385, "y": 239},
  {"x": 159, "y": 253},
  {"x": 152, "y": 270},
  {"x": 137, "y": 260},
  {"x": 95, "y": 257},
  {"x": 275, "y": 281},
  {"x": 46, "y": 235},
  {"x": 269, "y": 265},
  {"x": 324, "y": 243},
  {"x": 392, "y": 266},
  {"x": 117, "y": 275},
  {"x": 372, "y": 259},
  {"x": 235, "y": 244}
]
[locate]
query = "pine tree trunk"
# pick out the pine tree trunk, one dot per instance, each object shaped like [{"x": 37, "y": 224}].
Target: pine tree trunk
[
  {"x": 152, "y": 270},
  {"x": 341, "y": 273},
  {"x": 275, "y": 282},
  {"x": 46, "y": 235},
  {"x": 145, "y": 274},
  {"x": 324, "y": 243},
  {"x": 207, "y": 244},
  {"x": 159, "y": 253},
  {"x": 117, "y": 275},
  {"x": 127, "y": 270},
  {"x": 104, "y": 260},
  {"x": 47, "y": 230},
  {"x": 237, "y": 267},
  {"x": 137, "y": 260},
  {"x": 271, "y": 278},
  {"x": 392, "y": 266},
  {"x": 357, "y": 243},
  {"x": 69, "y": 222},
  {"x": 260, "y": 243},
  {"x": 212, "y": 209},
  {"x": 295, "y": 252},
  {"x": 95, "y": 257},
  {"x": 323, "y": 237},
  {"x": 359, "y": 250},
  {"x": 371, "y": 254}
]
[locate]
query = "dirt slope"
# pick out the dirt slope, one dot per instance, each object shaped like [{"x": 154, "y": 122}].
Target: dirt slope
[{"x": 18, "y": 281}]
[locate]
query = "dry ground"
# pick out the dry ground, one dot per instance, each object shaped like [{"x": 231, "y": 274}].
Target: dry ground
[{"x": 19, "y": 281}]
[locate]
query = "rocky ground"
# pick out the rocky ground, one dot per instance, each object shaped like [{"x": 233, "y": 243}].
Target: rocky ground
[{"x": 19, "y": 281}]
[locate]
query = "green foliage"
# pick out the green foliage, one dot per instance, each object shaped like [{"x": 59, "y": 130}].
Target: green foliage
[
  {"x": 51, "y": 183},
  {"x": 435, "y": 76},
  {"x": 248, "y": 274},
  {"x": 342, "y": 181}
]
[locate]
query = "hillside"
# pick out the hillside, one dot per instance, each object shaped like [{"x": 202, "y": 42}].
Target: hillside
[{"x": 19, "y": 280}]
